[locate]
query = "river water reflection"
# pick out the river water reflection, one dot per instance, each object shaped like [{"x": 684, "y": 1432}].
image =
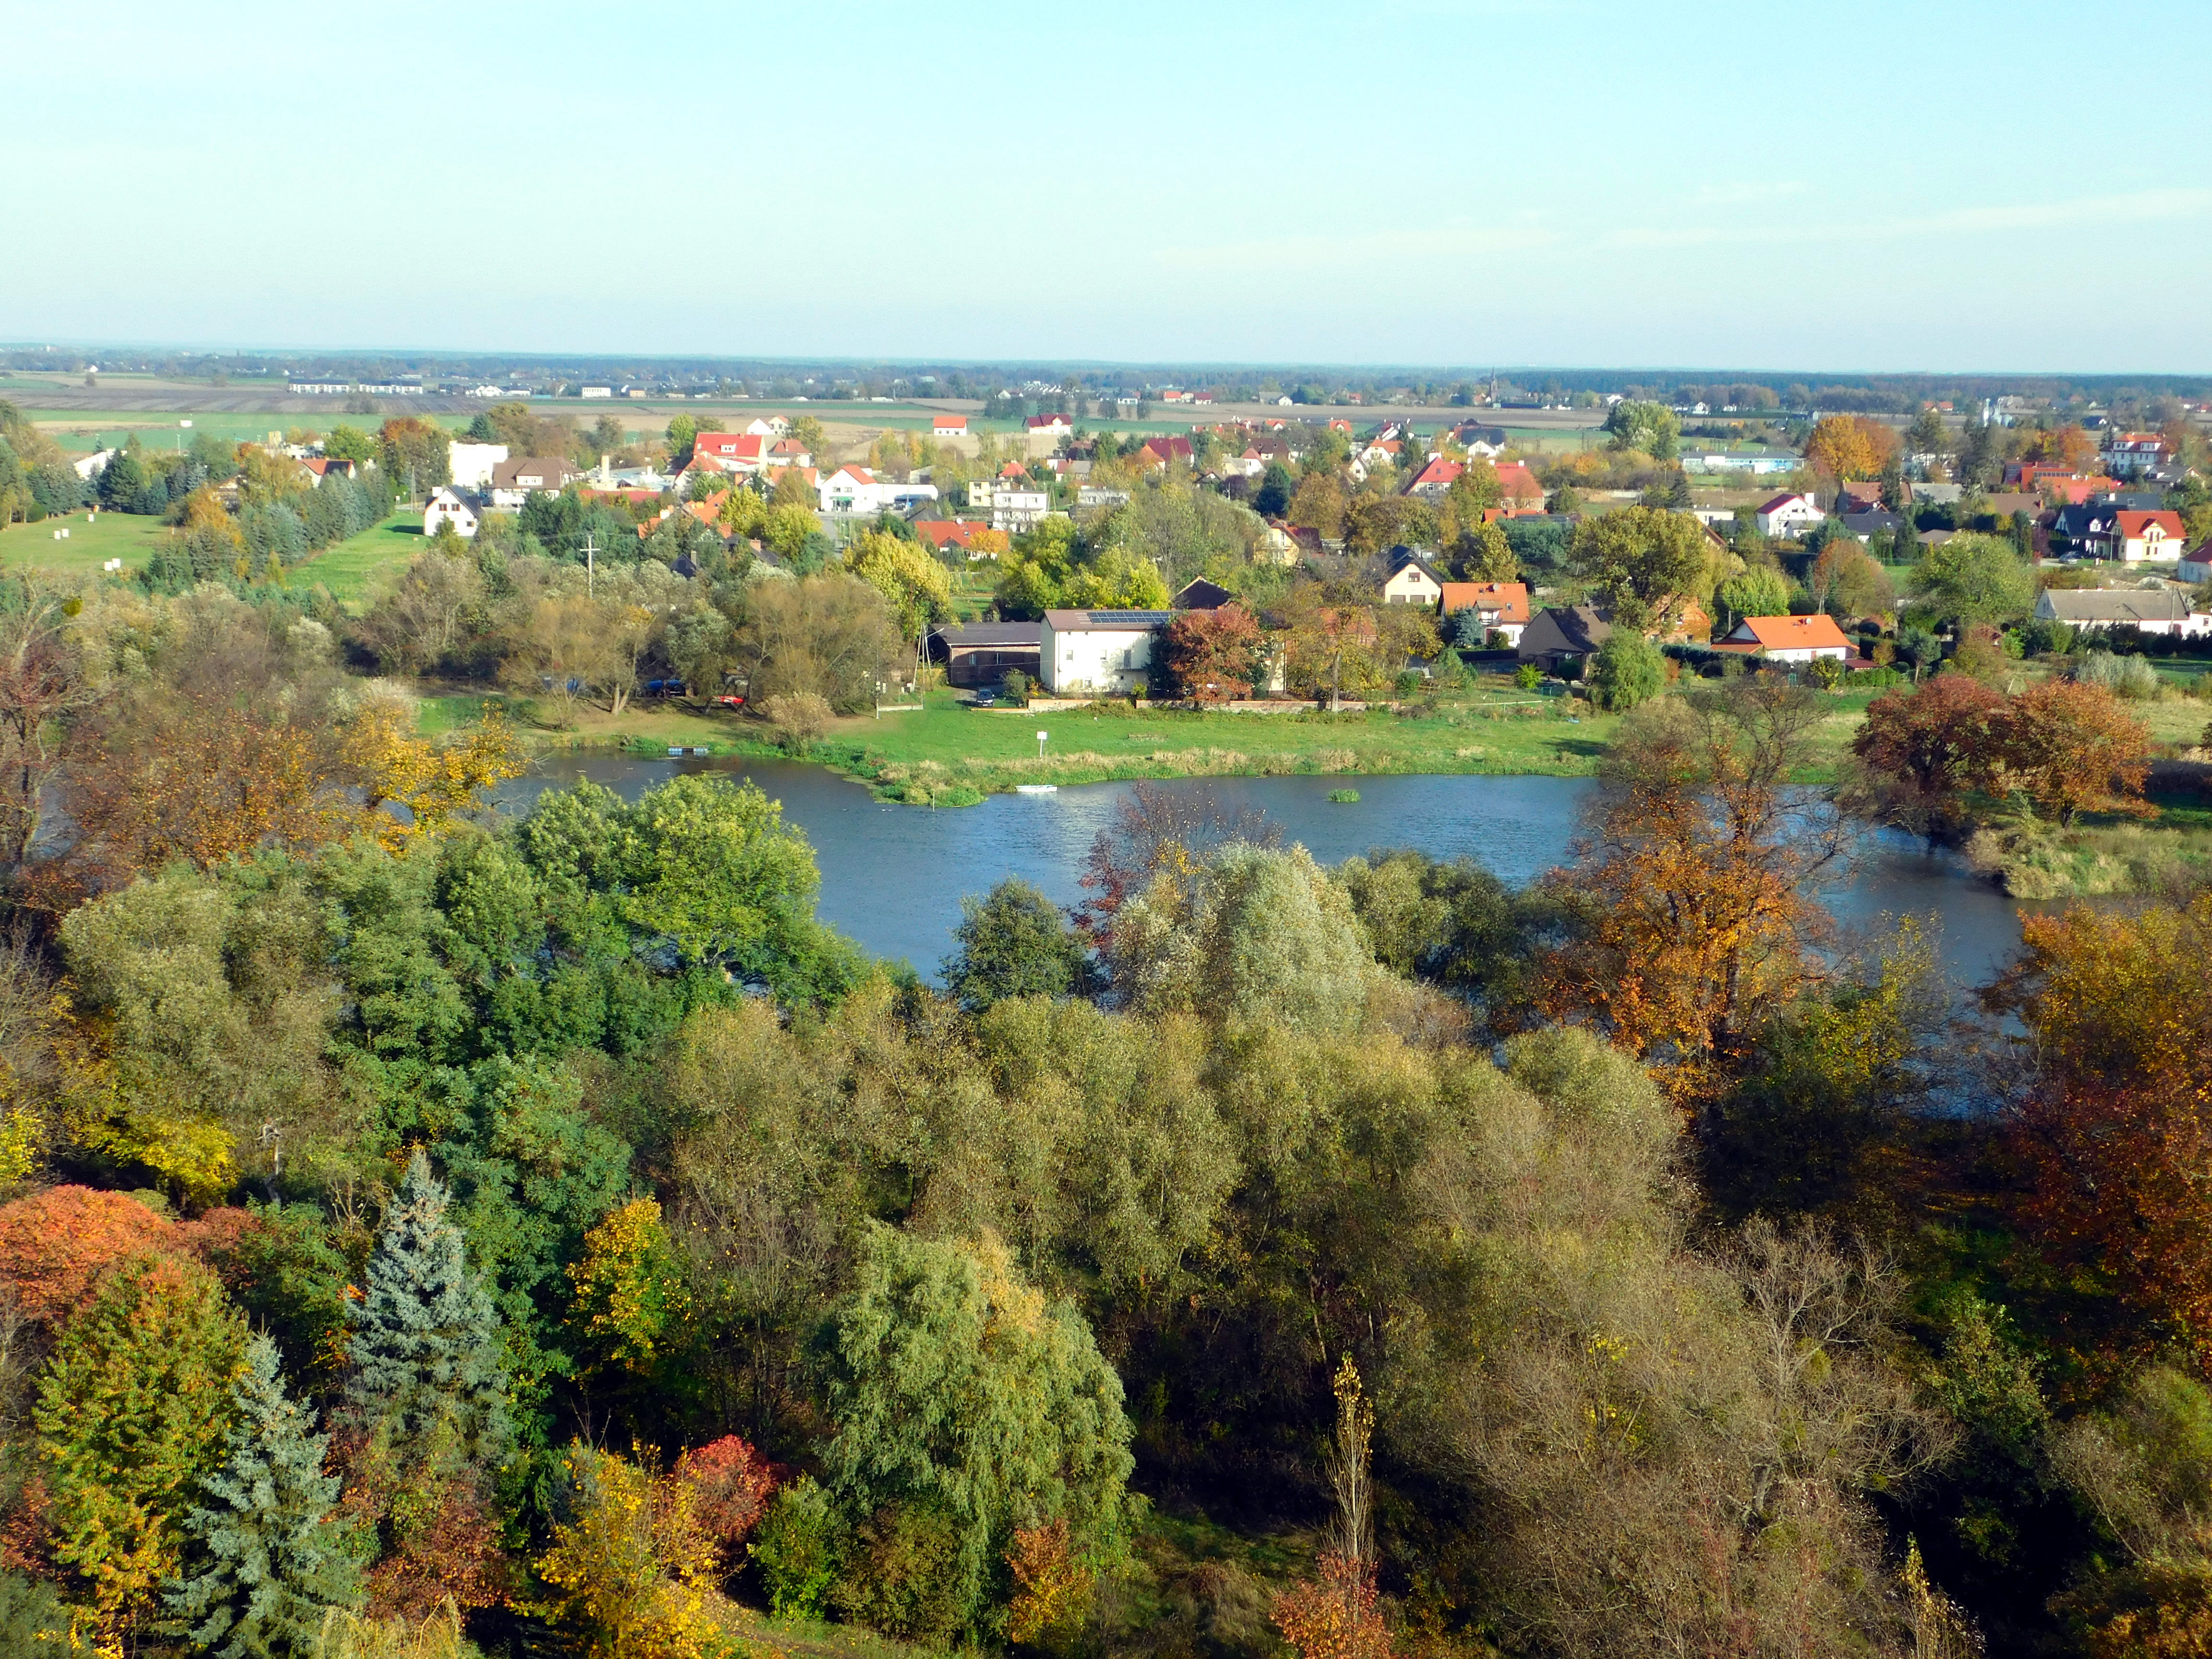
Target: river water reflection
[{"x": 892, "y": 876}]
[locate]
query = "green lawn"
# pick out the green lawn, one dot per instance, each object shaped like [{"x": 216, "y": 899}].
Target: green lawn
[
  {"x": 356, "y": 571},
  {"x": 353, "y": 571},
  {"x": 91, "y": 542}
]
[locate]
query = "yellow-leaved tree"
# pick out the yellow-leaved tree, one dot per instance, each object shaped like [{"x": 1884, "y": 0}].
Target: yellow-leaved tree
[{"x": 435, "y": 781}]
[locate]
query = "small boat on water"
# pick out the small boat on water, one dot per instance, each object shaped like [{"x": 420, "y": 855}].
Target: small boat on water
[{"x": 1036, "y": 788}]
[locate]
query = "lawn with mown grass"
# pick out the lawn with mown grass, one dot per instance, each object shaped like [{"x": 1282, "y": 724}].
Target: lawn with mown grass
[
  {"x": 949, "y": 752},
  {"x": 358, "y": 570},
  {"x": 92, "y": 541}
]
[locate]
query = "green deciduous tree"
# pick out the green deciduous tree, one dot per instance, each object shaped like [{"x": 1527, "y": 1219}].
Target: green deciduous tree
[
  {"x": 969, "y": 1404},
  {"x": 1253, "y": 935},
  {"x": 1641, "y": 561},
  {"x": 265, "y": 1557},
  {"x": 1973, "y": 578},
  {"x": 1014, "y": 943},
  {"x": 1627, "y": 670},
  {"x": 1648, "y": 427}
]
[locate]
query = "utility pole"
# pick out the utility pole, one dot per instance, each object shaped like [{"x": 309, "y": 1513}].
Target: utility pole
[{"x": 591, "y": 569}]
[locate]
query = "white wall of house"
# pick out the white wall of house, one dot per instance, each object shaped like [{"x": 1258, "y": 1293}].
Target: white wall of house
[
  {"x": 1106, "y": 661},
  {"x": 1018, "y": 510},
  {"x": 1793, "y": 518},
  {"x": 445, "y": 508},
  {"x": 1411, "y": 585},
  {"x": 472, "y": 464},
  {"x": 2154, "y": 542}
]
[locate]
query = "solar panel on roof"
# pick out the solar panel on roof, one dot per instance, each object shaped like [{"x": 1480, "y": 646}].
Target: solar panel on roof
[{"x": 1130, "y": 615}]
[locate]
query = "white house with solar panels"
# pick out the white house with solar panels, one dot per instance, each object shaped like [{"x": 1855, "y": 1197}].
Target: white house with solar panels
[{"x": 1097, "y": 652}]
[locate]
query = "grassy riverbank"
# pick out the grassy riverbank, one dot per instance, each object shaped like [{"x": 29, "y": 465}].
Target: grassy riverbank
[{"x": 948, "y": 752}]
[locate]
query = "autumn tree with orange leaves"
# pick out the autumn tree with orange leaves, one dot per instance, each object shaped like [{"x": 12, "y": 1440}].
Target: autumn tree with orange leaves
[
  {"x": 2117, "y": 1133},
  {"x": 2071, "y": 747},
  {"x": 1920, "y": 751},
  {"x": 1695, "y": 881},
  {"x": 1848, "y": 447}
]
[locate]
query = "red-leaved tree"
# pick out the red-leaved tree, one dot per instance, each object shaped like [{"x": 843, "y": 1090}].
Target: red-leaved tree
[{"x": 1214, "y": 655}]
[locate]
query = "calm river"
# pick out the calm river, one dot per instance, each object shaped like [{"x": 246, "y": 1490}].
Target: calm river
[{"x": 892, "y": 876}]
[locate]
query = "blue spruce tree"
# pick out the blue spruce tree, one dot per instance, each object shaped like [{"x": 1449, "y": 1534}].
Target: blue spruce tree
[
  {"x": 426, "y": 1345},
  {"x": 264, "y": 1559}
]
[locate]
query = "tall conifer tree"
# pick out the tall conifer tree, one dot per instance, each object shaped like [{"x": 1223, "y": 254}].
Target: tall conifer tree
[
  {"x": 265, "y": 1559},
  {"x": 426, "y": 1346}
]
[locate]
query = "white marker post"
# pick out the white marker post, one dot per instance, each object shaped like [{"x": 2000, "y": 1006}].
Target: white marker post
[{"x": 1041, "y": 736}]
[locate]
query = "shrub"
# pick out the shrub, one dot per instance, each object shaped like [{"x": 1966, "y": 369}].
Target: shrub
[
  {"x": 2125, "y": 676},
  {"x": 966, "y": 1404},
  {"x": 1527, "y": 676},
  {"x": 626, "y": 1569},
  {"x": 799, "y": 718},
  {"x": 901, "y": 1574},
  {"x": 797, "y": 1550},
  {"x": 1017, "y": 685},
  {"x": 1627, "y": 670},
  {"x": 729, "y": 1488}
]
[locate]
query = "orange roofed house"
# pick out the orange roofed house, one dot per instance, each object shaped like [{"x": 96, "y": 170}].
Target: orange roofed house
[
  {"x": 1789, "y": 638},
  {"x": 1503, "y": 607}
]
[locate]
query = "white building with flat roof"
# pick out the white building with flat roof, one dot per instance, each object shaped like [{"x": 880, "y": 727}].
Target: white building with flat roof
[{"x": 472, "y": 464}]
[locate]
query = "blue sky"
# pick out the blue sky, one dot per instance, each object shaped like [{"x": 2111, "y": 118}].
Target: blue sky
[{"x": 1948, "y": 185}]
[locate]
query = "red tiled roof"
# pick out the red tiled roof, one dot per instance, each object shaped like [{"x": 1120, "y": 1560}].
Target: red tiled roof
[
  {"x": 1796, "y": 633},
  {"x": 1518, "y": 482},
  {"x": 2131, "y": 524},
  {"x": 728, "y": 446},
  {"x": 1510, "y": 600}
]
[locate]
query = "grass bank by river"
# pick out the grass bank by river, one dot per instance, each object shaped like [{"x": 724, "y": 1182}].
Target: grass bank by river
[{"x": 947, "y": 753}]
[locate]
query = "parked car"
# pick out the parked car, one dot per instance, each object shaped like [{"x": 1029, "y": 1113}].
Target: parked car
[{"x": 986, "y": 699}]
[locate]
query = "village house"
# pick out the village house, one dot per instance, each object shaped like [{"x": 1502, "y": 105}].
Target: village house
[
  {"x": 514, "y": 482},
  {"x": 2164, "y": 610},
  {"x": 1864, "y": 526},
  {"x": 1434, "y": 482},
  {"x": 1560, "y": 635},
  {"x": 949, "y": 426},
  {"x": 1199, "y": 595},
  {"x": 1411, "y": 580},
  {"x": 2135, "y": 536},
  {"x": 445, "y": 508},
  {"x": 854, "y": 489},
  {"x": 2197, "y": 567},
  {"x": 1522, "y": 492},
  {"x": 976, "y": 540},
  {"x": 2131, "y": 454},
  {"x": 1789, "y": 638},
  {"x": 1503, "y": 607},
  {"x": 1788, "y": 518},
  {"x": 1097, "y": 652},
  {"x": 983, "y": 653},
  {"x": 737, "y": 452}
]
